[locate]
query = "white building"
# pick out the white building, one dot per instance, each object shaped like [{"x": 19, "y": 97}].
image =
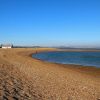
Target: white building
[{"x": 5, "y": 46}]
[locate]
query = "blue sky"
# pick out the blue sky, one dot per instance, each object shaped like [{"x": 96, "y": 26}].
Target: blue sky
[{"x": 50, "y": 22}]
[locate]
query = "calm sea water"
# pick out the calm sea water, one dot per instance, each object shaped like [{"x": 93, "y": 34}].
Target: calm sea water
[{"x": 78, "y": 58}]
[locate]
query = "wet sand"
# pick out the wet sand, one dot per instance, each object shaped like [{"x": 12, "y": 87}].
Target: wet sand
[{"x": 25, "y": 78}]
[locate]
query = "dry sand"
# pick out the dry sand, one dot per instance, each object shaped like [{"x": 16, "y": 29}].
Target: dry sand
[{"x": 25, "y": 78}]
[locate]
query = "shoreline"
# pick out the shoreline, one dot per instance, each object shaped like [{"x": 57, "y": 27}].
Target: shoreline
[{"x": 92, "y": 70}]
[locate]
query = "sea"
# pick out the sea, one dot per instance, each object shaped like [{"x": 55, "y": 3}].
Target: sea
[{"x": 77, "y": 58}]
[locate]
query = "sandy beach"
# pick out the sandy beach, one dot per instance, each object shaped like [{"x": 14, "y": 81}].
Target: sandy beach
[{"x": 25, "y": 78}]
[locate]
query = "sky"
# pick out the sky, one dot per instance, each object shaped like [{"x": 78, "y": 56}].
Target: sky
[{"x": 50, "y": 22}]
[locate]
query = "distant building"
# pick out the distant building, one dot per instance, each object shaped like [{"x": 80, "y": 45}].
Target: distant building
[{"x": 5, "y": 46}]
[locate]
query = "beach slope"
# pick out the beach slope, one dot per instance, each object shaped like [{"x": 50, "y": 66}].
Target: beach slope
[{"x": 25, "y": 78}]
